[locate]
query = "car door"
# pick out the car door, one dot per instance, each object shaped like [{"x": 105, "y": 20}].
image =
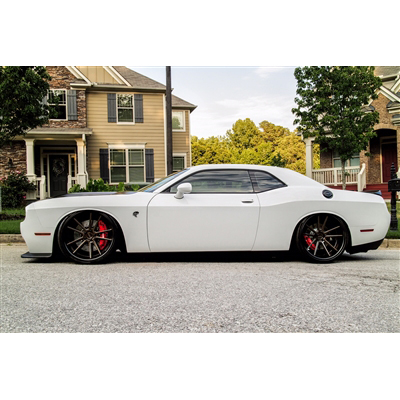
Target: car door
[{"x": 220, "y": 214}]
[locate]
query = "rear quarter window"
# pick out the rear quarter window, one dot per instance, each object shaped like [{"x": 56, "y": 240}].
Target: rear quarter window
[{"x": 263, "y": 181}]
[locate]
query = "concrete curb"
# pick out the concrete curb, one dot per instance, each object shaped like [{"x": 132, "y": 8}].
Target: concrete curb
[{"x": 387, "y": 243}]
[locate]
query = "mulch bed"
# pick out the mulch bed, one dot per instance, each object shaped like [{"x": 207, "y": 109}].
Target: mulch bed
[{"x": 15, "y": 217}]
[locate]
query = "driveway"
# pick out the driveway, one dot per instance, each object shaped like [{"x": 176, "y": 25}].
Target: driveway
[{"x": 249, "y": 292}]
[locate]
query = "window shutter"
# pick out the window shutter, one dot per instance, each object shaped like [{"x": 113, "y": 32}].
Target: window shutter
[
  {"x": 112, "y": 107},
  {"x": 71, "y": 105},
  {"x": 104, "y": 170},
  {"x": 139, "y": 108},
  {"x": 149, "y": 165}
]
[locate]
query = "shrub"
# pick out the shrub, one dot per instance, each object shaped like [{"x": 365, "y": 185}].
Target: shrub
[
  {"x": 100, "y": 186},
  {"x": 14, "y": 188}
]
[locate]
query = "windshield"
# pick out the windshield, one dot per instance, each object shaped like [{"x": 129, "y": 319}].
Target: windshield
[{"x": 160, "y": 182}]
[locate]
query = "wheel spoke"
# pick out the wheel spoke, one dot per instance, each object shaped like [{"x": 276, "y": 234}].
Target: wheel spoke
[
  {"x": 316, "y": 248},
  {"x": 329, "y": 236},
  {"x": 80, "y": 224},
  {"x": 90, "y": 249},
  {"x": 308, "y": 248},
  {"x": 90, "y": 221},
  {"x": 106, "y": 230},
  {"x": 73, "y": 229},
  {"x": 323, "y": 244},
  {"x": 83, "y": 242},
  {"x": 101, "y": 238},
  {"x": 76, "y": 240},
  {"x": 323, "y": 226},
  {"x": 97, "y": 247},
  {"x": 332, "y": 229},
  {"x": 333, "y": 247}
]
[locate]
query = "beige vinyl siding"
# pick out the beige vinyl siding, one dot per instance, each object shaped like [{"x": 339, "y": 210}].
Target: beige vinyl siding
[
  {"x": 151, "y": 131},
  {"x": 181, "y": 140},
  {"x": 97, "y": 74}
]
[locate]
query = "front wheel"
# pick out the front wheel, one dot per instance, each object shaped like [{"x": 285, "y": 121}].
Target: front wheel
[
  {"x": 322, "y": 238},
  {"x": 87, "y": 237}
]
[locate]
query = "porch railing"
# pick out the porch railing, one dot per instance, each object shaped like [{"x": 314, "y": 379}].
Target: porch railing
[
  {"x": 71, "y": 181},
  {"x": 333, "y": 176}
]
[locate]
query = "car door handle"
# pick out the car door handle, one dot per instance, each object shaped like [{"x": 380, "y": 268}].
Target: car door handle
[{"x": 248, "y": 201}]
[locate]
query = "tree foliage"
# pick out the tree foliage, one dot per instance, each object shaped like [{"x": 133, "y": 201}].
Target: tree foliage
[
  {"x": 22, "y": 90},
  {"x": 329, "y": 107},
  {"x": 247, "y": 143}
]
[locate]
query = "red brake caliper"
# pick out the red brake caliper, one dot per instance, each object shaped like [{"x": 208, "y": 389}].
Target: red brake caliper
[
  {"x": 102, "y": 227},
  {"x": 309, "y": 241}
]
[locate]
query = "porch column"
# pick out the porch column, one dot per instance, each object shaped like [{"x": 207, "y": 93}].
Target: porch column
[
  {"x": 30, "y": 167},
  {"x": 82, "y": 174},
  {"x": 30, "y": 159},
  {"x": 309, "y": 156}
]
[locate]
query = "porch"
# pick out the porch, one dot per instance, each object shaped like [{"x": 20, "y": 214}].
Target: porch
[{"x": 55, "y": 160}]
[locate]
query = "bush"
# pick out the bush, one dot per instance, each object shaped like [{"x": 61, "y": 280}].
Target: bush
[
  {"x": 14, "y": 188},
  {"x": 100, "y": 186}
]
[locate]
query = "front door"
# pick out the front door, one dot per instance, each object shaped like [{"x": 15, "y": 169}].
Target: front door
[
  {"x": 58, "y": 174},
  {"x": 389, "y": 156}
]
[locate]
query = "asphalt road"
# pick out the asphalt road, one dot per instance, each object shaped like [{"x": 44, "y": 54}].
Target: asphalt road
[{"x": 249, "y": 292}]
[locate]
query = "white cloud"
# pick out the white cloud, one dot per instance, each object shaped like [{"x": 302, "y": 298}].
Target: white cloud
[{"x": 266, "y": 72}]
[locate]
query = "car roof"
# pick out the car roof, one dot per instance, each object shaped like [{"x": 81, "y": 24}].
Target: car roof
[{"x": 291, "y": 178}]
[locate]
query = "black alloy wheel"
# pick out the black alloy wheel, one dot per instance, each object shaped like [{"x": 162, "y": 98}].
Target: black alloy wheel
[
  {"x": 322, "y": 238},
  {"x": 87, "y": 237}
]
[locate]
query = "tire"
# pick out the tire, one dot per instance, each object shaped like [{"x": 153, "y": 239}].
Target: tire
[
  {"x": 87, "y": 237},
  {"x": 322, "y": 238}
]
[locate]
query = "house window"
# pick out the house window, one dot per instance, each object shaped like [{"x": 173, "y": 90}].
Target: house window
[
  {"x": 127, "y": 165},
  {"x": 125, "y": 108},
  {"x": 353, "y": 162},
  {"x": 178, "y": 163},
  {"x": 178, "y": 121},
  {"x": 57, "y": 99}
]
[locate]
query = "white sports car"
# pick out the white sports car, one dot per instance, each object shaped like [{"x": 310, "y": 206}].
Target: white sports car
[{"x": 210, "y": 208}]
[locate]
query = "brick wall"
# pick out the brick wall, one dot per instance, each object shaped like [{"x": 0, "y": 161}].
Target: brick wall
[
  {"x": 61, "y": 79},
  {"x": 17, "y": 154}
]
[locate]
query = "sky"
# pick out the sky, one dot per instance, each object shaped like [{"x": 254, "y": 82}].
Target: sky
[{"x": 225, "y": 94}]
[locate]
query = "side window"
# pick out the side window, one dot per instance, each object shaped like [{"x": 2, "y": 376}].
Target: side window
[
  {"x": 263, "y": 181},
  {"x": 227, "y": 181}
]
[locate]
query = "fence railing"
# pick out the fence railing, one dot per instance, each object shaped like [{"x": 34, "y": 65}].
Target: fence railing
[{"x": 333, "y": 176}]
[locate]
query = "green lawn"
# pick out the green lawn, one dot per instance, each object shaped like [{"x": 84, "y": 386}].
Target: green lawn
[
  {"x": 11, "y": 226},
  {"x": 394, "y": 234}
]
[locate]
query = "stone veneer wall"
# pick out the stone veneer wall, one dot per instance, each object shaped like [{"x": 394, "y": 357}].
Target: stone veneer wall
[
  {"x": 17, "y": 154},
  {"x": 61, "y": 79}
]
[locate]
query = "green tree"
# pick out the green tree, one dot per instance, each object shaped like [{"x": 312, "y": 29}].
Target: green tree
[
  {"x": 22, "y": 90},
  {"x": 329, "y": 107},
  {"x": 212, "y": 150}
]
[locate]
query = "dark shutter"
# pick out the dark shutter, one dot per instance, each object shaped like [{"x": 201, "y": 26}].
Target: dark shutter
[
  {"x": 138, "y": 108},
  {"x": 112, "y": 107},
  {"x": 104, "y": 172},
  {"x": 71, "y": 105},
  {"x": 149, "y": 165}
]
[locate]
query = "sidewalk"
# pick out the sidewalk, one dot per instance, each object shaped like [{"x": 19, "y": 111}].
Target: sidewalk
[{"x": 387, "y": 243}]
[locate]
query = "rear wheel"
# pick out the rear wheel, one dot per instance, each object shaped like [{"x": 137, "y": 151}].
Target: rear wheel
[
  {"x": 321, "y": 238},
  {"x": 87, "y": 237}
]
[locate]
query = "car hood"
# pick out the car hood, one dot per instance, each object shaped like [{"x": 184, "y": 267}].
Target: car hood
[{"x": 78, "y": 194}]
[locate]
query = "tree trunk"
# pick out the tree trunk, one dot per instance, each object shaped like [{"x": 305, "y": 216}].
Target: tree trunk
[{"x": 343, "y": 174}]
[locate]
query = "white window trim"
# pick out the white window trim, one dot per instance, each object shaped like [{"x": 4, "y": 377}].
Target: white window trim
[
  {"x": 184, "y": 155},
  {"x": 183, "y": 121},
  {"x": 347, "y": 162},
  {"x": 133, "y": 109},
  {"x": 66, "y": 104},
  {"x": 126, "y": 147}
]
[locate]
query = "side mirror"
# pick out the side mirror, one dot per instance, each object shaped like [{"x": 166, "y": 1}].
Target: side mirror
[{"x": 182, "y": 189}]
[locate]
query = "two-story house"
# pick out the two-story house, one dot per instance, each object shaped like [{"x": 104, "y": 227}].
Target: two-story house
[
  {"x": 111, "y": 124},
  {"x": 368, "y": 172}
]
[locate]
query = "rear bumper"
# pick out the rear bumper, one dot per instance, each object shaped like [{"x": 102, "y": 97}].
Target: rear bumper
[{"x": 363, "y": 248}]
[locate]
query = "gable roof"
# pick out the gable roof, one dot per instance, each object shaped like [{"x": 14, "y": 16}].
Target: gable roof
[
  {"x": 387, "y": 71},
  {"x": 139, "y": 81}
]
